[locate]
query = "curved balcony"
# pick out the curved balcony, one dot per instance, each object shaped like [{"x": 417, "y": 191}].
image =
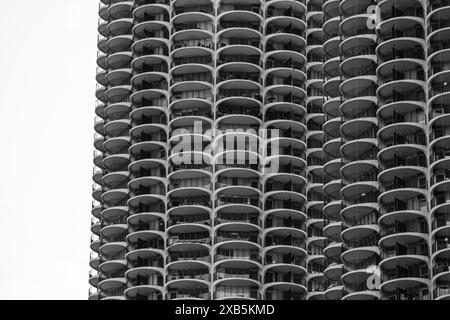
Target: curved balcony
[
  {"x": 189, "y": 255},
  {"x": 284, "y": 282},
  {"x": 185, "y": 7},
  {"x": 405, "y": 278},
  {"x": 183, "y": 273}
]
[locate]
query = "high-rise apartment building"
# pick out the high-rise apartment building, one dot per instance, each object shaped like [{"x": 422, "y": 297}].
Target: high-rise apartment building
[{"x": 283, "y": 149}]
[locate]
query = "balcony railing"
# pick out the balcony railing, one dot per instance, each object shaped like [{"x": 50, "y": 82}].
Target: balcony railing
[
  {"x": 398, "y": 227},
  {"x": 189, "y": 293},
  {"x": 440, "y": 244},
  {"x": 207, "y": 8},
  {"x": 417, "y": 248},
  {"x": 183, "y": 274},
  {"x": 196, "y": 255},
  {"x": 197, "y": 237},
  {"x": 417, "y": 271},
  {"x": 237, "y": 254}
]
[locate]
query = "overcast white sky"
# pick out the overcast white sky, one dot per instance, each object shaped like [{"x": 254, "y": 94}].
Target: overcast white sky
[{"x": 47, "y": 84}]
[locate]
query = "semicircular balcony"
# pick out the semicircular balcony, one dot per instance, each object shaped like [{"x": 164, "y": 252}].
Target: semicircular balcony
[
  {"x": 332, "y": 208},
  {"x": 120, "y": 9},
  {"x": 192, "y": 36},
  {"x": 237, "y": 231},
  {"x": 151, "y": 10},
  {"x": 184, "y": 235},
  {"x": 245, "y": 40},
  {"x": 331, "y": 19},
  {"x": 230, "y": 92},
  {"x": 188, "y": 268},
  {"x": 405, "y": 277},
  {"x": 441, "y": 283},
  {"x": 193, "y": 255},
  {"x": 331, "y": 66},
  {"x": 285, "y": 24},
  {"x": 360, "y": 234},
  {"x": 113, "y": 288},
  {"x": 284, "y": 8},
  {"x": 285, "y": 76},
  {"x": 332, "y": 147},
  {"x": 285, "y": 255},
  {"x": 235, "y": 71},
  {"x": 186, "y": 289},
  {"x": 151, "y": 94},
  {"x": 120, "y": 61},
  {"x": 235, "y": 5},
  {"x": 314, "y": 155},
  {"x": 186, "y": 274},
  {"x": 146, "y": 247},
  {"x": 289, "y": 42},
  {"x": 236, "y": 249},
  {"x": 316, "y": 239},
  {"x": 238, "y": 214},
  {"x": 186, "y": 7},
  {"x": 290, "y": 219},
  {"x": 184, "y": 164},
  {"x": 185, "y": 23},
  {"x": 145, "y": 283},
  {"x": 330, "y": 9},
  {"x": 316, "y": 287},
  {"x": 237, "y": 258},
  {"x": 402, "y": 27},
  {"x": 281, "y": 200},
  {"x": 190, "y": 90},
  {"x": 402, "y": 178},
  {"x": 315, "y": 194},
  {"x": 112, "y": 270},
  {"x": 115, "y": 44},
  {"x": 286, "y": 182},
  {"x": 331, "y": 42},
  {"x": 440, "y": 219},
  {"x": 239, "y": 19},
  {"x": 227, "y": 271},
  {"x": 359, "y": 177},
  {"x": 404, "y": 133},
  {"x": 189, "y": 139},
  {"x": 239, "y": 117},
  {"x": 356, "y": 282},
  {"x": 237, "y": 289},
  {"x": 239, "y": 177},
  {"x": 145, "y": 267},
  {"x": 403, "y": 199},
  {"x": 190, "y": 114},
  {"x": 334, "y": 289},
  {"x": 287, "y": 131},
  {"x": 278, "y": 237},
  {"x": 148, "y": 196},
  {"x": 316, "y": 261},
  {"x": 150, "y": 50},
  {"x": 314, "y": 87},
  {"x": 314, "y": 49},
  {"x": 361, "y": 248},
  {"x": 403, "y": 238},
  {"x": 281, "y": 58},
  {"x": 401, "y": 48},
  {"x": 284, "y": 282},
  {"x": 151, "y": 29},
  {"x": 402, "y": 9},
  {"x": 194, "y": 183},
  {"x": 148, "y": 132},
  {"x": 192, "y": 179},
  {"x": 438, "y": 36},
  {"x": 440, "y": 244}
]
